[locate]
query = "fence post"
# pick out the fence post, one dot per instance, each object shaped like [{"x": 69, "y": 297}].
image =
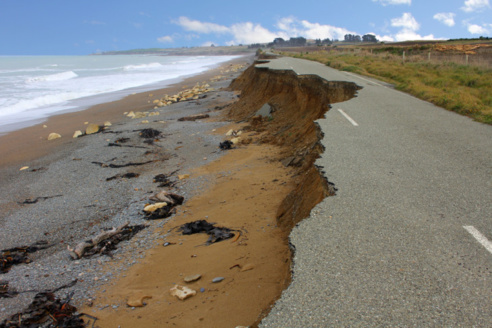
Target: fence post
[
  {"x": 466, "y": 60},
  {"x": 403, "y": 56},
  {"x": 429, "y": 57}
]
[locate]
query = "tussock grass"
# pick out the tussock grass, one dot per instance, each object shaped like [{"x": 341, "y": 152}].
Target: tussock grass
[{"x": 466, "y": 90}]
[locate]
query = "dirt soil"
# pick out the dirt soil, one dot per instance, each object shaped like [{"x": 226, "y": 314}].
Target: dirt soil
[{"x": 262, "y": 188}]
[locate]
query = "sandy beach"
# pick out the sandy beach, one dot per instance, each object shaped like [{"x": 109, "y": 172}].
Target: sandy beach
[{"x": 258, "y": 190}]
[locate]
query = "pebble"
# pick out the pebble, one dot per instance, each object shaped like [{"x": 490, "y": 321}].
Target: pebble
[
  {"x": 202, "y": 290},
  {"x": 192, "y": 278},
  {"x": 218, "y": 279}
]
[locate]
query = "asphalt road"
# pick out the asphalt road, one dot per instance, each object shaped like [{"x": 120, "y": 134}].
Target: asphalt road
[{"x": 394, "y": 247}]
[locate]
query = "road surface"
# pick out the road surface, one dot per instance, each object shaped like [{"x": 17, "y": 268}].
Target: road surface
[{"x": 406, "y": 240}]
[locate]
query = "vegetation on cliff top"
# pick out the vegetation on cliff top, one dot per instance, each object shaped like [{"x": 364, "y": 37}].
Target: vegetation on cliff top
[{"x": 465, "y": 89}]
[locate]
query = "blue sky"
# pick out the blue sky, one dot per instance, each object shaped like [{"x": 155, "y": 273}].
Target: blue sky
[{"x": 79, "y": 27}]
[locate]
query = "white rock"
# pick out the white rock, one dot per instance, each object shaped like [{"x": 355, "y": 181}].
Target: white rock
[
  {"x": 53, "y": 136},
  {"x": 154, "y": 207},
  {"x": 92, "y": 128},
  {"x": 182, "y": 292},
  {"x": 77, "y": 134}
]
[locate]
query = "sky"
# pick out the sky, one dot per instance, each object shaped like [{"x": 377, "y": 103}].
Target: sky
[{"x": 82, "y": 27}]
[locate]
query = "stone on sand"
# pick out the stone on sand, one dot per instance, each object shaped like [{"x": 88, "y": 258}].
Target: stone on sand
[
  {"x": 77, "y": 134},
  {"x": 154, "y": 207},
  {"x": 247, "y": 267},
  {"x": 192, "y": 278},
  {"x": 137, "y": 301},
  {"x": 92, "y": 128},
  {"x": 182, "y": 292},
  {"x": 53, "y": 136}
]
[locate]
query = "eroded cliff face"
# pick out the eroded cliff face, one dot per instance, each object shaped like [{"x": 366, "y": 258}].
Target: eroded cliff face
[{"x": 296, "y": 102}]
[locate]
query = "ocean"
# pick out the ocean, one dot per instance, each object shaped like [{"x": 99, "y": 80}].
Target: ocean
[{"x": 33, "y": 88}]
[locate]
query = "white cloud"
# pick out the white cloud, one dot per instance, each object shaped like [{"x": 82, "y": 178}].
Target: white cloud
[
  {"x": 394, "y": 2},
  {"x": 445, "y": 18},
  {"x": 409, "y": 27},
  {"x": 475, "y": 5},
  {"x": 201, "y": 27},
  {"x": 477, "y": 29},
  {"x": 319, "y": 31},
  {"x": 407, "y": 35},
  {"x": 407, "y": 21},
  {"x": 251, "y": 33},
  {"x": 248, "y": 32},
  {"x": 165, "y": 39}
]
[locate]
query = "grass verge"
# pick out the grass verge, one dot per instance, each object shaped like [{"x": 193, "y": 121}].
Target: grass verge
[{"x": 466, "y": 90}]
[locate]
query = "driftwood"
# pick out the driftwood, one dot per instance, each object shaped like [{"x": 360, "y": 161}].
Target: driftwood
[
  {"x": 81, "y": 248},
  {"x": 194, "y": 117}
]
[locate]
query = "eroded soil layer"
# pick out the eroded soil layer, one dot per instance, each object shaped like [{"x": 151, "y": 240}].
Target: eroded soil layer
[{"x": 261, "y": 188}]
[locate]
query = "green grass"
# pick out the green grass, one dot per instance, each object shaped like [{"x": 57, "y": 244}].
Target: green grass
[{"x": 466, "y": 90}]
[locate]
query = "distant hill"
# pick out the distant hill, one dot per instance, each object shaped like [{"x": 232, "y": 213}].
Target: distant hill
[{"x": 192, "y": 51}]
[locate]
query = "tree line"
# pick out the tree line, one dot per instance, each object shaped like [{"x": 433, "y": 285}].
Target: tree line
[{"x": 301, "y": 41}]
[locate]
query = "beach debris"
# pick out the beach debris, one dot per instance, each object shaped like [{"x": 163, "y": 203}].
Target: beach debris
[
  {"x": 121, "y": 140},
  {"x": 145, "y": 122},
  {"x": 193, "y": 117},
  {"x": 133, "y": 114},
  {"x": 217, "y": 279},
  {"x": 129, "y": 175},
  {"x": 216, "y": 234},
  {"x": 45, "y": 126},
  {"x": 236, "y": 140},
  {"x": 30, "y": 201},
  {"x": 105, "y": 242},
  {"x": 195, "y": 93},
  {"x": 154, "y": 207},
  {"x": 53, "y": 136},
  {"x": 233, "y": 133},
  {"x": 226, "y": 145},
  {"x": 115, "y": 166},
  {"x": 5, "y": 291},
  {"x": 149, "y": 133},
  {"x": 107, "y": 123},
  {"x": 138, "y": 301},
  {"x": 183, "y": 176},
  {"x": 164, "y": 179},
  {"x": 192, "y": 278},
  {"x": 164, "y": 207},
  {"x": 247, "y": 267},
  {"x": 18, "y": 255},
  {"x": 46, "y": 310},
  {"x": 92, "y": 128},
  {"x": 23, "y": 168},
  {"x": 182, "y": 292},
  {"x": 77, "y": 134}
]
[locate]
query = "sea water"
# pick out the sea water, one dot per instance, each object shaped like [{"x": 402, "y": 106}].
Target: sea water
[{"x": 33, "y": 88}]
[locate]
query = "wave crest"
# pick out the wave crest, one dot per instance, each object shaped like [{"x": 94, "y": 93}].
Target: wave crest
[{"x": 53, "y": 77}]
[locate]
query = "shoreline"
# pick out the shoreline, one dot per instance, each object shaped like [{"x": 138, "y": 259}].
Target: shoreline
[{"x": 66, "y": 123}]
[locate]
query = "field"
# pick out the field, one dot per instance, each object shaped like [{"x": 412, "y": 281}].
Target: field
[{"x": 456, "y": 75}]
